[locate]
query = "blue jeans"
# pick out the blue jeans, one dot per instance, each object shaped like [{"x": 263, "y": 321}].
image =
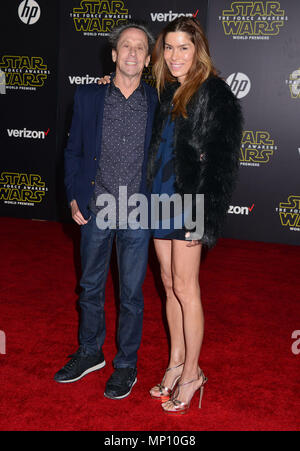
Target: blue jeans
[{"x": 132, "y": 257}]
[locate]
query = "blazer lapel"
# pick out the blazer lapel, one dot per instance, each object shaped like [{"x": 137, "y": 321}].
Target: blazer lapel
[{"x": 99, "y": 108}]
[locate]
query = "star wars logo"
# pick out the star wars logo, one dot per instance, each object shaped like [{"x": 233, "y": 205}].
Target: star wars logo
[
  {"x": 98, "y": 17},
  {"x": 289, "y": 213},
  {"x": 22, "y": 189},
  {"x": 257, "y": 148},
  {"x": 253, "y": 20},
  {"x": 294, "y": 84},
  {"x": 24, "y": 72}
]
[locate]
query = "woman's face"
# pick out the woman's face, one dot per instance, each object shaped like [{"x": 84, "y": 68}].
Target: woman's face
[{"x": 179, "y": 54}]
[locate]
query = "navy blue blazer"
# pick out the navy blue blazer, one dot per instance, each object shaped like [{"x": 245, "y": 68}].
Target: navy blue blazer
[{"x": 84, "y": 144}]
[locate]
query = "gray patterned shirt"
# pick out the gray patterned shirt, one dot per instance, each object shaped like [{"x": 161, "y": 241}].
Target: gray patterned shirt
[{"x": 122, "y": 147}]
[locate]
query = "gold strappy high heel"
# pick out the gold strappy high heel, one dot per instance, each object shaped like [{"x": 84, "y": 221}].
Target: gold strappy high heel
[
  {"x": 178, "y": 407},
  {"x": 164, "y": 392}
]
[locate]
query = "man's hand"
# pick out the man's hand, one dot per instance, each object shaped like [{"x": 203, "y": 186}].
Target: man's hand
[
  {"x": 76, "y": 214},
  {"x": 104, "y": 80}
]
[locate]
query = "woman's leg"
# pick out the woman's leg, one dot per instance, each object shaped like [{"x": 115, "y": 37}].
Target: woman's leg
[
  {"x": 163, "y": 250},
  {"x": 185, "y": 272}
]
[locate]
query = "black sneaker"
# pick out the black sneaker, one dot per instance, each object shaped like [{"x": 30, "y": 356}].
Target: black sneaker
[
  {"x": 120, "y": 383},
  {"x": 79, "y": 366}
]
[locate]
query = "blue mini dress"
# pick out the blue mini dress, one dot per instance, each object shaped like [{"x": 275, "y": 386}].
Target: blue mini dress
[{"x": 166, "y": 226}]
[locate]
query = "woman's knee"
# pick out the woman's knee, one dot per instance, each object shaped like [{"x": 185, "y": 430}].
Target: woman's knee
[
  {"x": 180, "y": 288},
  {"x": 166, "y": 277},
  {"x": 186, "y": 291}
]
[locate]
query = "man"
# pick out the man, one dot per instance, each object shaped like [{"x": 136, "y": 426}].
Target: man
[{"x": 107, "y": 148}]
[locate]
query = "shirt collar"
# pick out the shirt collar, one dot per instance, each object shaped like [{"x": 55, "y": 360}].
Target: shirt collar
[{"x": 113, "y": 88}]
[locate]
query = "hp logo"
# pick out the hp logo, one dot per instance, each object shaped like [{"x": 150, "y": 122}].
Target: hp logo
[
  {"x": 2, "y": 82},
  {"x": 29, "y": 12},
  {"x": 295, "y": 85},
  {"x": 239, "y": 83}
]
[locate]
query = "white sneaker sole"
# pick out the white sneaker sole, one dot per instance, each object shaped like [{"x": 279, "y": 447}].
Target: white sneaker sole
[
  {"x": 89, "y": 370},
  {"x": 123, "y": 396}
]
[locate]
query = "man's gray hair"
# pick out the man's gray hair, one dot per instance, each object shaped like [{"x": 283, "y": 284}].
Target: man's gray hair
[{"x": 116, "y": 32}]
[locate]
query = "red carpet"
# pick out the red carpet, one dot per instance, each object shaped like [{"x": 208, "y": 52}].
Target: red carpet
[{"x": 250, "y": 296}]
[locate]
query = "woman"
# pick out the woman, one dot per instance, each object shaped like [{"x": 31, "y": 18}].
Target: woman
[{"x": 194, "y": 150}]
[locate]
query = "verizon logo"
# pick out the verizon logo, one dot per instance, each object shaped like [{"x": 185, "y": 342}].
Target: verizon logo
[
  {"x": 165, "y": 17},
  {"x": 86, "y": 80},
  {"x": 237, "y": 210},
  {"x": 24, "y": 133}
]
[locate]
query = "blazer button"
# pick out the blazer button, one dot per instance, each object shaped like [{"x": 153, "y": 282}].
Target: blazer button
[
  {"x": 95, "y": 158},
  {"x": 92, "y": 182}
]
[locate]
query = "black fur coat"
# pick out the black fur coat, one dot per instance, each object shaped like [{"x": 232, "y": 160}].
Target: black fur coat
[{"x": 206, "y": 149}]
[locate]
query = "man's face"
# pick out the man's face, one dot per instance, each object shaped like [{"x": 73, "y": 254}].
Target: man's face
[{"x": 131, "y": 55}]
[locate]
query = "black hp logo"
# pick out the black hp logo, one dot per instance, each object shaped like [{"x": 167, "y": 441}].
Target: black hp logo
[
  {"x": 239, "y": 83},
  {"x": 29, "y": 12}
]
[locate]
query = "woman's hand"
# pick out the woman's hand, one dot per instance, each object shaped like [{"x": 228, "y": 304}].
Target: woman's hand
[
  {"x": 104, "y": 80},
  {"x": 192, "y": 242}
]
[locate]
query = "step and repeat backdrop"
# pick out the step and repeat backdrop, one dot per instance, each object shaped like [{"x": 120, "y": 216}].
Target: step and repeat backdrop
[
  {"x": 84, "y": 51},
  {"x": 47, "y": 49},
  {"x": 29, "y": 46},
  {"x": 256, "y": 46}
]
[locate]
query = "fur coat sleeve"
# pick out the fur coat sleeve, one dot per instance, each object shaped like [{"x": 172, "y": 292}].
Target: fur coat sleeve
[{"x": 206, "y": 149}]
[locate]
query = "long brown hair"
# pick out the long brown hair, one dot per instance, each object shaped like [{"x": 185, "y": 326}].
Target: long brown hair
[{"x": 202, "y": 66}]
